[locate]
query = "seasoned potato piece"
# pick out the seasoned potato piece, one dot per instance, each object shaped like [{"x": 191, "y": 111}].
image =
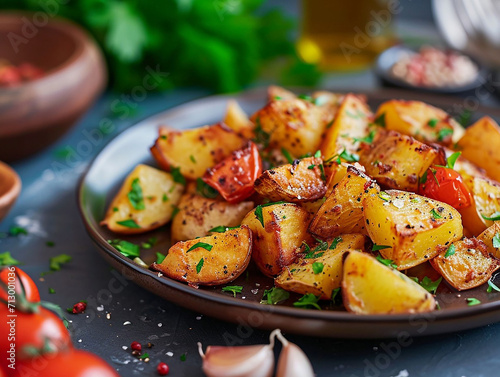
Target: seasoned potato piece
[
  {"x": 278, "y": 231},
  {"x": 397, "y": 161},
  {"x": 410, "y": 226},
  {"x": 486, "y": 201},
  {"x": 351, "y": 122},
  {"x": 197, "y": 215},
  {"x": 491, "y": 238},
  {"x": 467, "y": 169},
  {"x": 313, "y": 207},
  {"x": 279, "y": 93},
  {"x": 237, "y": 120},
  {"x": 300, "y": 181},
  {"x": 322, "y": 274},
  {"x": 211, "y": 260},
  {"x": 337, "y": 172},
  {"x": 369, "y": 287},
  {"x": 293, "y": 124},
  {"x": 145, "y": 201},
  {"x": 481, "y": 145},
  {"x": 465, "y": 264},
  {"x": 196, "y": 150},
  {"x": 342, "y": 211},
  {"x": 420, "y": 120}
]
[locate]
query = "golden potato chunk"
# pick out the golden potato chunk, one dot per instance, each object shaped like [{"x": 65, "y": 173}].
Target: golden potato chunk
[
  {"x": 320, "y": 272},
  {"x": 420, "y": 120},
  {"x": 146, "y": 201},
  {"x": 237, "y": 120},
  {"x": 369, "y": 287},
  {"x": 195, "y": 150},
  {"x": 409, "y": 227},
  {"x": 481, "y": 145},
  {"x": 301, "y": 181},
  {"x": 491, "y": 238},
  {"x": 197, "y": 215},
  {"x": 465, "y": 264},
  {"x": 211, "y": 260},
  {"x": 397, "y": 161},
  {"x": 278, "y": 231},
  {"x": 342, "y": 211}
]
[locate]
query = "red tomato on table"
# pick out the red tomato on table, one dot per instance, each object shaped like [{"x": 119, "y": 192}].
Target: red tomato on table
[{"x": 21, "y": 281}]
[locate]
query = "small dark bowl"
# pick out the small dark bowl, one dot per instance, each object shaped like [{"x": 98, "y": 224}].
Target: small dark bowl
[
  {"x": 387, "y": 58},
  {"x": 36, "y": 113}
]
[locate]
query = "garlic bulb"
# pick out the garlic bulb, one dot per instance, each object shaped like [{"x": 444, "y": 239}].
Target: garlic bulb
[
  {"x": 293, "y": 362},
  {"x": 242, "y": 361}
]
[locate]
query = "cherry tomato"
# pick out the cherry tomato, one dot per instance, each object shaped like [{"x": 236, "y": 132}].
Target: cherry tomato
[
  {"x": 234, "y": 176},
  {"x": 9, "y": 275},
  {"x": 41, "y": 332},
  {"x": 74, "y": 363},
  {"x": 447, "y": 186}
]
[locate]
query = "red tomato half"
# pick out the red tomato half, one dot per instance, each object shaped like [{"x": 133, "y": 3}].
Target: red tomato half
[
  {"x": 234, "y": 176},
  {"x": 9, "y": 275},
  {"x": 447, "y": 186}
]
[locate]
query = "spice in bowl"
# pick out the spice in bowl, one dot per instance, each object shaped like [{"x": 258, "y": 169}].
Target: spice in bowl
[
  {"x": 431, "y": 67},
  {"x": 13, "y": 75}
]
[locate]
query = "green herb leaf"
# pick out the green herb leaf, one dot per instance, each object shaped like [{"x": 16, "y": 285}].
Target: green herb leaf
[
  {"x": 330, "y": 124},
  {"x": 145, "y": 355},
  {"x": 149, "y": 243},
  {"x": 57, "y": 261},
  {"x": 50, "y": 243},
  {"x": 433, "y": 122},
  {"x": 199, "y": 265},
  {"x": 380, "y": 247},
  {"x": 335, "y": 293},
  {"x": 175, "y": 210},
  {"x": 310, "y": 167},
  {"x": 177, "y": 176},
  {"x": 287, "y": 155},
  {"x": 261, "y": 137},
  {"x": 130, "y": 223},
  {"x": 318, "y": 251},
  {"x": 164, "y": 198},
  {"x": 349, "y": 157},
  {"x": 317, "y": 267},
  {"x": 317, "y": 154},
  {"x": 203, "y": 245},
  {"x": 473, "y": 301},
  {"x": 384, "y": 196},
  {"x": 492, "y": 286},
  {"x": 387, "y": 262},
  {"x": 429, "y": 285},
  {"x": 435, "y": 214},
  {"x": 443, "y": 133},
  {"x": 309, "y": 300},
  {"x": 450, "y": 251},
  {"x": 423, "y": 178},
  {"x": 193, "y": 160},
  {"x": 277, "y": 98},
  {"x": 52, "y": 290},
  {"x": 7, "y": 260},
  {"x": 494, "y": 217},
  {"x": 115, "y": 209},
  {"x": 258, "y": 210},
  {"x": 305, "y": 97},
  {"x": 222, "y": 228},
  {"x": 380, "y": 120},
  {"x": 159, "y": 257},
  {"x": 335, "y": 242},
  {"x": 274, "y": 295},
  {"x": 128, "y": 249},
  {"x": 496, "y": 241},
  {"x": 464, "y": 117},
  {"x": 135, "y": 195},
  {"x": 183, "y": 357},
  {"x": 450, "y": 161},
  {"x": 233, "y": 289},
  {"x": 205, "y": 190},
  {"x": 17, "y": 230},
  {"x": 367, "y": 139},
  {"x": 322, "y": 171}
]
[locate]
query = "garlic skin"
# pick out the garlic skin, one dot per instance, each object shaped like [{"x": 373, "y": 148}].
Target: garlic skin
[
  {"x": 242, "y": 361},
  {"x": 292, "y": 362}
]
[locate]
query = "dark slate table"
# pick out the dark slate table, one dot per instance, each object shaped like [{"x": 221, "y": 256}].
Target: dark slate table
[{"x": 47, "y": 209}]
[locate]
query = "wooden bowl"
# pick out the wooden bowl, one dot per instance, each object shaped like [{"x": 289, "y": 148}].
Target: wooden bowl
[
  {"x": 10, "y": 187},
  {"x": 36, "y": 113}
]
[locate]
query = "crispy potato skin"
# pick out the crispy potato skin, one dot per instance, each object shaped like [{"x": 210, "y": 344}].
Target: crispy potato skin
[
  {"x": 470, "y": 266},
  {"x": 405, "y": 222},
  {"x": 487, "y": 237},
  {"x": 342, "y": 211},
  {"x": 369, "y": 287},
  {"x": 299, "y": 277},
  {"x": 229, "y": 257},
  {"x": 197, "y": 215},
  {"x": 275, "y": 245},
  {"x": 237, "y": 120},
  {"x": 294, "y": 183},
  {"x": 412, "y": 118},
  {"x": 196, "y": 150},
  {"x": 157, "y": 212},
  {"x": 481, "y": 145},
  {"x": 397, "y": 161}
]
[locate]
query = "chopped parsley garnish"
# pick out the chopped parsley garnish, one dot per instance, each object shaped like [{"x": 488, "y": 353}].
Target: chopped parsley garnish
[
  {"x": 494, "y": 217},
  {"x": 335, "y": 293},
  {"x": 433, "y": 122},
  {"x": 317, "y": 154},
  {"x": 464, "y": 117},
  {"x": 450, "y": 251},
  {"x": 450, "y": 161},
  {"x": 330, "y": 124},
  {"x": 305, "y": 97},
  {"x": 471, "y": 301},
  {"x": 317, "y": 267},
  {"x": 384, "y": 196},
  {"x": 17, "y": 230},
  {"x": 322, "y": 170},
  {"x": 443, "y": 133},
  {"x": 159, "y": 257},
  {"x": 193, "y": 160},
  {"x": 135, "y": 196},
  {"x": 233, "y": 289},
  {"x": 183, "y": 357},
  {"x": 199, "y": 266},
  {"x": 492, "y": 286},
  {"x": 175, "y": 210},
  {"x": 317, "y": 252},
  {"x": 145, "y": 355},
  {"x": 7, "y": 260},
  {"x": 277, "y": 98},
  {"x": 435, "y": 214},
  {"x": 287, "y": 155},
  {"x": 177, "y": 176},
  {"x": 205, "y": 190},
  {"x": 128, "y": 249},
  {"x": 387, "y": 262},
  {"x": 222, "y": 228},
  {"x": 496, "y": 241},
  {"x": 130, "y": 223},
  {"x": 274, "y": 295},
  {"x": 258, "y": 211},
  {"x": 349, "y": 157},
  {"x": 57, "y": 261},
  {"x": 380, "y": 120},
  {"x": 261, "y": 137},
  {"x": 164, "y": 198},
  {"x": 380, "y": 247},
  {"x": 429, "y": 285},
  {"x": 335, "y": 242},
  {"x": 367, "y": 139},
  {"x": 149, "y": 243},
  {"x": 423, "y": 178},
  {"x": 50, "y": 243},
  {"x": 310, "y": 167},
  {"x": 115, "y": 209},
  {"x": 163, "y": 137},
  {"x": 52, "y": 291},
  {"x": 309, "y": 300},
  {"x": 203, "y": 245}
]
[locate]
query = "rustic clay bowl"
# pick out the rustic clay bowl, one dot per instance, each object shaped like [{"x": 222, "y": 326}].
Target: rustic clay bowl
[
  {"x": 10, "y": 187},
  {"x": 36, "y": 113}
]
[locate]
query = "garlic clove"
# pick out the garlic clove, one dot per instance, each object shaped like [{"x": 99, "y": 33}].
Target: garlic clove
[
  {"x": 292, "y": 362},
  {"x": 242, "y": 361}
]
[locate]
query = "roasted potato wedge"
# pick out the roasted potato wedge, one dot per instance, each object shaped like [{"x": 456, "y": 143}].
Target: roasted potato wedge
[
  {"x": 339, "y": 171},
  {"x": 410, "y": 226},
  {"x": 481, "y": 145},
  {"x": 397, "y": 161},
  {"x": 196, "y": 150},
  {"x": 211, "y": 260},
  {"x": 301, "y": 181},
  {"x": 146, "y": 201},
  {"x": 491, "y": 238},
  {"x": 420, "y": 120},
  {"x": 369, "y": 287},
  {"x": 278, "y": 231},
  {"x": 342, "y": 211},
  {"x": 237, "y": 120},
  {"x": 197, "y": 215},
  {"x": 465, "y": 264},
  {"x": 321, "y": 275}
]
